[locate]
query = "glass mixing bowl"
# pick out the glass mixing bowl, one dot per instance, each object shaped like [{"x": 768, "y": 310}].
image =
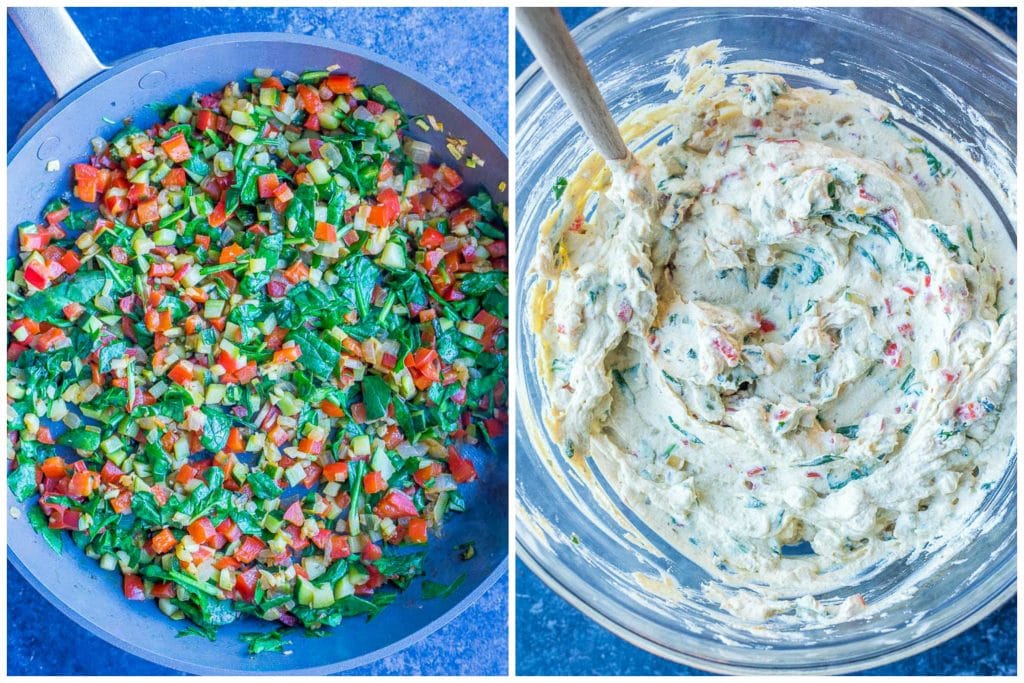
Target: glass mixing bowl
[{"x": 955, "y": 73}]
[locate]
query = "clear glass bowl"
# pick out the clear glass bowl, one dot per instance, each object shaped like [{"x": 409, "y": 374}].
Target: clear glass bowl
[{"x": 959, "y": 75}]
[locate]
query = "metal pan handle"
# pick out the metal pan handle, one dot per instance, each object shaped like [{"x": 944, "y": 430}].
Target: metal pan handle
[{"x": 58, "y": 45}]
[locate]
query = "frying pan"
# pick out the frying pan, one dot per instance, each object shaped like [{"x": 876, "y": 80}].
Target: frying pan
[{"x": 87, "y": 93}]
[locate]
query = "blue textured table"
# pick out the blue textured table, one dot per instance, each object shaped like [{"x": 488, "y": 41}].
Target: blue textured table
[
  {"x": 585, "y": 649},
  {"x": 438, "y": 43}
]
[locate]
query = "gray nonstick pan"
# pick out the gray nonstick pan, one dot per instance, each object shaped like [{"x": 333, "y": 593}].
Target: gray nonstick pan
[{"x": 89, "y": 92}]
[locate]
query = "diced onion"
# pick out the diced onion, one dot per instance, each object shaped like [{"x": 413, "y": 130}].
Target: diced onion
[{"x": 418, "y": 150}]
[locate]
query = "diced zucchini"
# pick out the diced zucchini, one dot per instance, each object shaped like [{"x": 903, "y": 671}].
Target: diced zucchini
[
  {"x": 317, "y": 597},
  {"x": 241, "y": 118},
  {"x": 240, "y": 471},
  {"x": 393, "y": 256},
  {"x": 357, "y": 574},
  {"x": 112, "y": 444},
  {"x": 328, "y": 119},
  {"x": 92, "y": 325},
  {"x": 164, "y": 237},
  {"x": 270, "y": 97},
  {"x": 267, "y": 325},
  {"x": 289, "y": 405},
  {"x": 160, "y": 172},
  {"x": 318, "y": 171},
  {"x": 215, "y": 393},
  {"x": 272, "y": 522},
  {"x": 380, "y": 462},
  {"x": 181, "y": 114},
  {"x": 360, "y": 445},
  {"x": 227, "y": 579},
  {"x": 214, "y": 308},
  {"x": 295, "y": 474},
  {"x": 343, "y": 588},
  {"x": 243, "y": 136},
  {"x": 257, "y": 265},
  {"x": 117, "y": 457},
  {"x": 141, "y": 243},
  {"x": 471, "y": 329}
]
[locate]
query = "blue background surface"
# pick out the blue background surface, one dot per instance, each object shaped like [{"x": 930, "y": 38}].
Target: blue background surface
[
  {"x": 436, "y": 42},
  {"x": 586, "y": 649}
]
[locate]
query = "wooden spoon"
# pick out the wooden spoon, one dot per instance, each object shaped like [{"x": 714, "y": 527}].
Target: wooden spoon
[{"x": 549, "y": 38}]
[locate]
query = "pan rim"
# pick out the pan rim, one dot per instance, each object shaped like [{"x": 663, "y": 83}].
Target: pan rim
[{"x": 155, "y": 54}]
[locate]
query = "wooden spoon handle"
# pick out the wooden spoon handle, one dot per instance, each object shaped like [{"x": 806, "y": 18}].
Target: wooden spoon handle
[{"x": 549, "y": 38}]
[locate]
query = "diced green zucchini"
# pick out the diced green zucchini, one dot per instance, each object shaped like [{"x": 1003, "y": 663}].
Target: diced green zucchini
[
  {"x": 214, "y": 308},
  {"x": 295, "y": 474},
  {"x": 393, "y": 256},
  {"x": 270, "y": 97},
  {"x": 343, "y": 588},
  {"x": 272, "y": 522},
  {"x": 471, "y": 329},
  {"x": 317, "y": 597},
  {"x": 181, "y": 114},
  {"x": 380, "y": 462},
  {"x": 360, "y": 444},
  {"x": 318, "y": 171},
  {"x": 243, "y": 136},
  {"x": 112, "y": 444}
]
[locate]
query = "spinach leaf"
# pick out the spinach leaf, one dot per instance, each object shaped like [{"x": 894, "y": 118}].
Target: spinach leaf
[
  {"x": 201, "y": 631},
  {"x": 353, "y": 605},
  {"x": 263, "y": 486},
  {"x": 215, "y": 433},
  {"x": 403, "y": 417},
  {"x": 245, "y": 183},
  {"x": 146, "y": 509},
  {"x": 112, "y": 397},
  {"x": 172, "y": 404},
  {"x": 270, "y": 641},
  {"x": 336, "y": 571},
  {"x": 300, "y": 214},
  {"x": 559, "y": 187},
  {"x": 111, "y": 352},
  {"x": 376, "y": 397},
  {"x": 270, "y": 249},
  {"x": 402, "y": 568},
  {"x": 22, "y": 481},
  {"x": 356, "y": 470},
  {"x": 196, "y": 167},
  {"x": 359, "y": 276},
  {"x": 318, "y": 357},
  {"x": 478, "y": 284},
  {"x": 80, "y": 220},
  {"x": 80, "y": 438},
  {"x": 483, "y": 203},
  {"x": 158, "y": 461},
  {"x": 175, "y": 305},
  {"x": 447, "y": 342},
  {"x": 43, "y": 306},
  {"x": 40, "y": 523},
  {"x": 121, "y": 276},
  {"x": 432, "y": 589},
  {"x": 849, "y": 431}
]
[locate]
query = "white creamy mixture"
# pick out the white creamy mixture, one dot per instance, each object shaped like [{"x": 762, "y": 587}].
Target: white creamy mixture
[{"x": 784, "y": 333}]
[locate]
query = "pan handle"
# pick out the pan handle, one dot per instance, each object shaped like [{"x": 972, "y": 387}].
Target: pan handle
[{"x": 58, "y": 45}]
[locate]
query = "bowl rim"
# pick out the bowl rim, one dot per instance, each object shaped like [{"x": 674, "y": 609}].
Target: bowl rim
[{"x": 998, "y": 597}]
